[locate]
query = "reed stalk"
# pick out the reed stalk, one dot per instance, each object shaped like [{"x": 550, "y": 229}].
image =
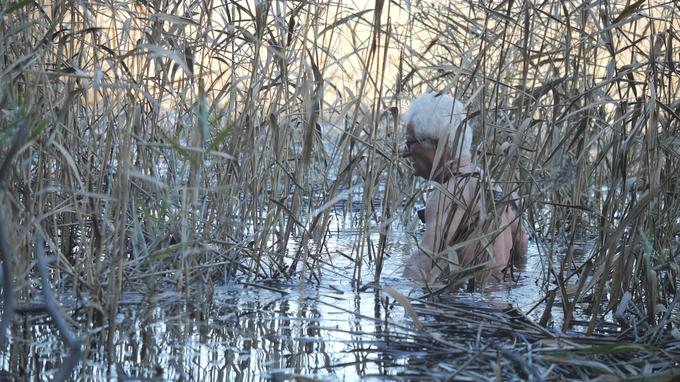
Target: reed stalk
[{"x": 170, "y": 145}]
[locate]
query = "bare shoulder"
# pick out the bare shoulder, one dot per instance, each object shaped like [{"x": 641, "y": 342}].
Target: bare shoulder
[
  {"x": 444, "y": 196},
  {"x": 435, "y": 197}
]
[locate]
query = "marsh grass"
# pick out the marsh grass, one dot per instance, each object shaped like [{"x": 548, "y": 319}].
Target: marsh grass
[{"x": 174, "y": 145}]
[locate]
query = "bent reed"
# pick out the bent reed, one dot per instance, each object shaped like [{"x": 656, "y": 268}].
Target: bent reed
[{"x": 174, "y": 145}]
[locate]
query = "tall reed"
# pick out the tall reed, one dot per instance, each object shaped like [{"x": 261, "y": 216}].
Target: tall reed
[{"x": 169, "y": 145}]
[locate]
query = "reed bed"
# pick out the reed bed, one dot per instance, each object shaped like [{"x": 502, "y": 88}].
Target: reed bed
[
  {"x": 461, "y": 339},
  {"x": 175, "y": 145}
]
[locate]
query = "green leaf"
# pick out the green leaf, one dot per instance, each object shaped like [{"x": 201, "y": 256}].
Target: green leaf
[
  {"x": 178, "y": 147},
  {"x": 38, "y": 130},
  {"x": 221, "y": 137},
  {"x": 167, "y": 251}
]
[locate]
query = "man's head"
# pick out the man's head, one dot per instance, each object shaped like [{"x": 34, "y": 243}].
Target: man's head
[{"x": 435, "y": 121}]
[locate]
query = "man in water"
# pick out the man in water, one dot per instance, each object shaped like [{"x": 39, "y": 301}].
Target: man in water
[{"x": 471, "y": 229}]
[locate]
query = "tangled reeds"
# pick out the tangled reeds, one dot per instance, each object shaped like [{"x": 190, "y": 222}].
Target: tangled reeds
[
  {"x": 158, "y": 145},
  {"x": 461, "y": 339}
]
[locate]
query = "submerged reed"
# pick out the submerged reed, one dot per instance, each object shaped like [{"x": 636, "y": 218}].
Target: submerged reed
[{"x": 172, "y": 145}]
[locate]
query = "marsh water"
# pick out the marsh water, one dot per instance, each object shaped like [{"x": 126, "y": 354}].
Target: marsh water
[{"x": 332, "y": 330}]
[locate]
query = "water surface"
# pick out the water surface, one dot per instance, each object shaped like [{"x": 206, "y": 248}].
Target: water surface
[{"x": 266, "y": 330}]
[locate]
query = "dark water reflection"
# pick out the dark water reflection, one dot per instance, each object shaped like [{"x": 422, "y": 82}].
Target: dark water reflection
[
  {"x": 248, "y": 333},
  {"x": 252, "y": 333},
  {"x": 264, "y": 330}
]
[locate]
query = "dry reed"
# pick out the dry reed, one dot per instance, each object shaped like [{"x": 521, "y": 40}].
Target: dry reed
[{"x": 180, "y": 144}]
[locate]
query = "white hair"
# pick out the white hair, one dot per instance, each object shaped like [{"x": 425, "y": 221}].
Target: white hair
[{"x": 438, "y": 117}]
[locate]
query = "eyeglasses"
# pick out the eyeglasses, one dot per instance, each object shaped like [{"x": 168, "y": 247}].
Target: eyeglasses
[{"x": 410, "y": 142}]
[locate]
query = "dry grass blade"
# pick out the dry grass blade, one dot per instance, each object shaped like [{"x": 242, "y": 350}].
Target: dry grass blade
[
  {"x": 172, "y": 146},
  {"x": 404, "y": 301}
]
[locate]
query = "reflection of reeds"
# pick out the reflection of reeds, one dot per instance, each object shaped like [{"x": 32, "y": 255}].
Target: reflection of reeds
[{"x": 173, "y": 143}]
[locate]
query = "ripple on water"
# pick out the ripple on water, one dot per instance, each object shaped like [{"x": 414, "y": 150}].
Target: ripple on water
[{"x": 270, "y": 331}]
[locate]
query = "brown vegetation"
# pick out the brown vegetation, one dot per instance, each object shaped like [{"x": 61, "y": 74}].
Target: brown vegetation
[{"x": 160, "y": 145}]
